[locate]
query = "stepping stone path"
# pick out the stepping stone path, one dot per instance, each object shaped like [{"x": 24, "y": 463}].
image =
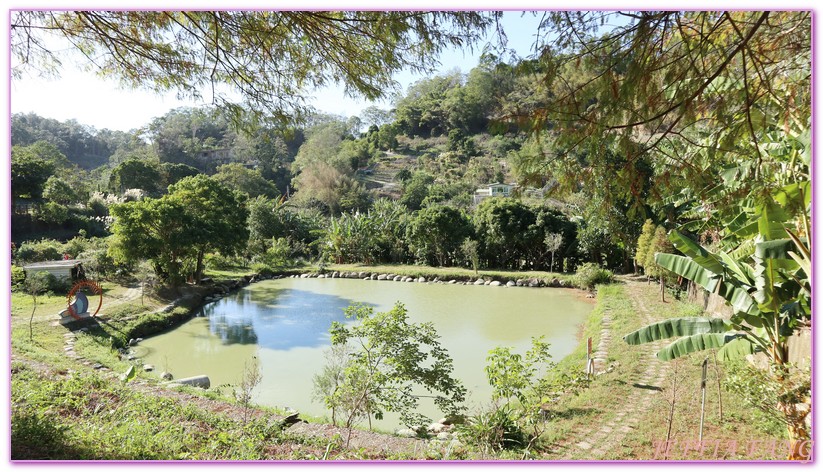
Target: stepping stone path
[
  {"x": 595, "y": 442},
  {"x": 602, "y": 352}
]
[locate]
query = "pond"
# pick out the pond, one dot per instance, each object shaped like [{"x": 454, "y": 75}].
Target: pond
[{"x": 285, "y": 323}]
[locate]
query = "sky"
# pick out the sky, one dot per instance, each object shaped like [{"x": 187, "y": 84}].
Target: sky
[{"x": 101, "y": 103}]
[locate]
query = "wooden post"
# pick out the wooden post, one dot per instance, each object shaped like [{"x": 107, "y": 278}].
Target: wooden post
[
  {"x": 589, "y": 360},
  {"x": 703, "y": 402}
]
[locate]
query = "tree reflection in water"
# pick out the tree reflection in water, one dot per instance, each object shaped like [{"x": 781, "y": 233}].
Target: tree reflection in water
[{"x": 280, "y": 320}]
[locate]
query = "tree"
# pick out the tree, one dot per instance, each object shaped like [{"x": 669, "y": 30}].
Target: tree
[
  {"x": 415, "y": 189},
  {"x": 135, "y": 173},
  {"x": 506, "y": 230},
  {"x": 36, "y": 284},
  {"x": 660, "y": 244},
  {"x": 693, "y": 91},
  {"x": 469, "y": 250},
  {"x": 436, "y": 233},
  {"x": 274, "y": 59},
  {"x": 173, "y": 173},
  {"x": 146, "y": 276},
  {"x": 198, "y": 215},
  {"x": 553, "y": 242},
  {"x": 644, "y": 243},
  {"x": 29, "y": 173},
  {"x": 243, "y": 179},
  {"x": 219, "y": 213},
  {"x": 390, "y": 359},
  {"x": 59, "y": 191},
  {"x": 157, "y": 229}
]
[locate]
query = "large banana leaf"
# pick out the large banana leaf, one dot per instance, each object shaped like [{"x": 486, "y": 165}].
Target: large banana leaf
[
  {"x": 737, "y": 348},
  {"x": 696, "y": 252},
  {"x": 689, "y": 269},
  {"x": 773, "y": 264},
  {"x": 676, "y": 327},
  {"x": 733, "y": 291},
  {"x": 771, "y": 221},
  {"x": 697, "y": 342},
  {"x": 794, "y": 195}
]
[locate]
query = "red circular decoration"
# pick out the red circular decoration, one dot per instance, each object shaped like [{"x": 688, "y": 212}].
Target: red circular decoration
[{"x": 96, "y": 290}]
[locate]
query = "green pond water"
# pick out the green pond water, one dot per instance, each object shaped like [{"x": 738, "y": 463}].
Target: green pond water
[{"x": 285, "y": 322}]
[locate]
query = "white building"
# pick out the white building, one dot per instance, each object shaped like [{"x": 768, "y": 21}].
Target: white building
[
  {"x": 493, "y": 190},
  {"x": 69, "y": 269}
]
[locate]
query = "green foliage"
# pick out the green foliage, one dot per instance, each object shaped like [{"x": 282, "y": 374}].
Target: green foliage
[
  {"x": 278, "y": 254},
  {"x": 765, "y": 293},
  {"x": 416, "y": 189},
  {"x": 660, "y": 244},
  {"x": 590, "y": 275},
  {"x": 136, "y": 173},
  {"x": 59, "y": 191},
  {"x": 249, "y": 181},
  {"x": 31, "y": 167},
  {"x": 390, "y": 359},
  {"x": 763, "y": 392},
  {"x": 497, "y": 428},
  {"x": 470, "y": 252},
  {"x": 513, "y": 376},
  {"x": 18, "y": 277},
  {"x": 175, "y": 172},
  {"x": 39, "y": 250},
  {"x": 52, "y": 213},
  {"x": 436, "y": 233},
  {"x": 196, "y": 216},
  {"x": 644, "y": 242}
]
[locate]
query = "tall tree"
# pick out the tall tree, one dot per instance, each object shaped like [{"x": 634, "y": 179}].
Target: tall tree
[
  {"x": 694, "y": 92},
  {"x": 219, "y": 212}
]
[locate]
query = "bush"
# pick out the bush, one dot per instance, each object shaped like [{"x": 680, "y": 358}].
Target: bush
[
  {"x": 52, "y": 213},
  {"x": 97, "y": 205},
  {"x": 221, "y": 262},
  {"x": 18, "y": 277},
  {"x": 590, "y": 274},
  {"x": 75, "y": 246},
  {"x": 497, "y": 429},
  {"x": 42, "y": 250}
]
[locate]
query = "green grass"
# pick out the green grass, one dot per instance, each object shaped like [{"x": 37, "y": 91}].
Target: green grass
[{"x": 595, "y": 404}]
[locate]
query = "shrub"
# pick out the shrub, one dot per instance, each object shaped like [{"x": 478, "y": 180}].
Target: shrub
[
  {"x": 221, "y": 262},
  {"x": 52, "y": 213},
  {"x": 18, "y": 277},
  {"x": 590, "y": 274},
  {"x": 497, "y": 429},
  {"x": 76, "y": 245},
  {"x": 42, "y": 250},
  {"x": 97, "y": 204}
]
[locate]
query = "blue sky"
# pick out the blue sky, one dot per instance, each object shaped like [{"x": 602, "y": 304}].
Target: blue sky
[{"x": 102, "y": 104}]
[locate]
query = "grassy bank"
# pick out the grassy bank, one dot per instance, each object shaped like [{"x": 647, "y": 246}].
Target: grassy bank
[
  {"x": 644, "y": 427},
  {"x": 448, "y": 273}
]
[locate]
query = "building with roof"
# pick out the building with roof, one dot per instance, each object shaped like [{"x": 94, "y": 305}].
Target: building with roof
[{"x": 68, "y": 269}]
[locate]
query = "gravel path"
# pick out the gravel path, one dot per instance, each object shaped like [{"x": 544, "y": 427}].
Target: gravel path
[{"x": 598, "y": 440}]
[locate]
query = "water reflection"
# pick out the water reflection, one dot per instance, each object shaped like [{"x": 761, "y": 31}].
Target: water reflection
[{"x": 288, "y": 319}]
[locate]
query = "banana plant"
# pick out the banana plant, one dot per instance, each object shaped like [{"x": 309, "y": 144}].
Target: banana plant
[{"x": 765, "y": 292}]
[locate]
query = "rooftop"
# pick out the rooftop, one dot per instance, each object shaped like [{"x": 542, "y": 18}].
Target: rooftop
[{"x": 50, "y": 264}]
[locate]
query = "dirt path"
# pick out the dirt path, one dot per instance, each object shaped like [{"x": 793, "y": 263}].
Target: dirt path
[{"x": 597, "y": 440}]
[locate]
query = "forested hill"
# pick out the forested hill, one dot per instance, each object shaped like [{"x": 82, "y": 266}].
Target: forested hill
[
  {"x": 82, "y": 145},
  {"x": 452, "y": 127}
]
